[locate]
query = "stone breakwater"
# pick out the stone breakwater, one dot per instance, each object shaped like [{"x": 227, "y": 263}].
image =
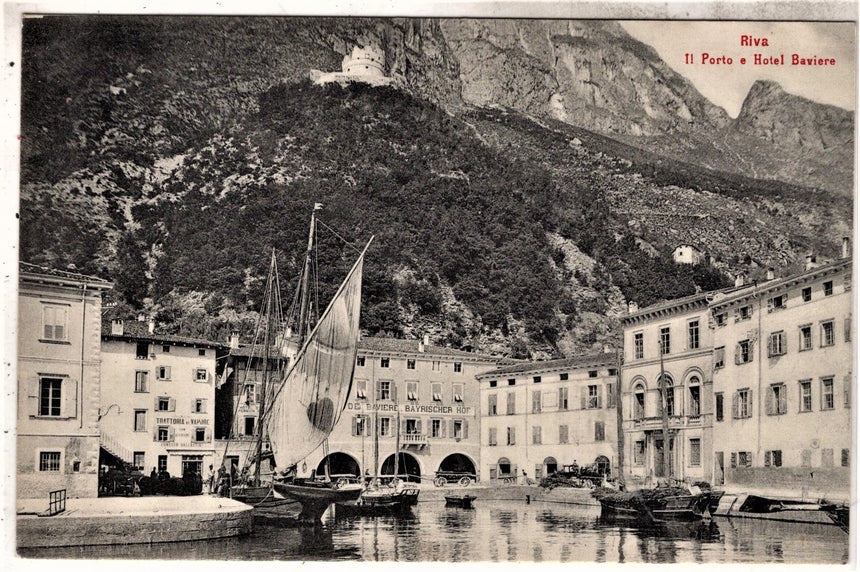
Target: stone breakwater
[{"x": 119, "y": 520}]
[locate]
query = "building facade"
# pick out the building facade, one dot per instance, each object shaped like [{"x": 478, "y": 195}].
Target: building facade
[
  {"x": 539, "y": 416},
  {"x": 59, "y": 325},
  {"x": 158, "y": 398},
  {"x": 687, "y": 254},
  {"x": 782, "y": 382},
  {"x": 421, "y": 397},
  {"x": 673, "y": 337}
]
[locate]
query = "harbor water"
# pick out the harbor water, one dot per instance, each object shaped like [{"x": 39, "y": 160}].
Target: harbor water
[{"x": 503, "y": 531}]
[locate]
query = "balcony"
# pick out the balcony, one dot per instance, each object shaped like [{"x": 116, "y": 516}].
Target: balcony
[
  {"x": 656, "y": 423},
  {"x": 416, "y": 440}
]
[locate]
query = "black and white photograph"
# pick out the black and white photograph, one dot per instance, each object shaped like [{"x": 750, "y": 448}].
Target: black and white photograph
[{"x": 424, "y": 283}]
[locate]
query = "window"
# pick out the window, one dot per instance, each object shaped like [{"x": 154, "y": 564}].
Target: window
[
  {"x": 50, "y": 397},
  {"x": 562, "y": 377},
  {"x": 695, "y": 397},
  {"x": 200, "y": 434},
  {"x": 457, "y": 392},
  {"x": 436, "y": 390},
  {"x": 512, "y": 436},
  {"x": 413, "y": 426},
  {"x": 846, "y": 457},
  {"x": 410, "y": 364},
  {"x": 142, "y": 351},
  {"x": 436, "y": 366},
  {"x": 537, "y": 439},
  {"x": 777, "y": 399},
  {"x": 719, "y": 357},
  {"x": 670, "y": 396},
  {"x": 693, "y": 335},
  {"x": 776, "y": 344},
  {"x": 593, "y": 397},
  {"x": 562, "y": 398},
  {"x": 828, "y": 336},
  {"x": 163, "y": 373},
  {"x": 385, "y": 427},
  {"x": 436, "y": 428},
  {"x": 383, "y": 390},
  {"x": 610, "y": 395},
  {"x": 599, "y": 431},
  {"x": 806, "y": 294},
  {"x": 199, "y": 405},
  {"x": 639, "y": 402},
  {"x": 250, "y": 393},
  {"x": 384, "y": 362},
  {"x": 361, "y": 425},
  {"x": 492, "y": 404},
  {"x": 665, "y": 340},
  {"x": 140, "y": 460},
  {"x": 562, "y": 434},
  {"x": 592, "y": 373},
  {"x": 743, "y": 352},
  {"x": 201, "y": 375},
  {"x": 826, "y": 393},
  {"x": 201, "y": 352},
  {"x": 536, "y": 397},
  {"x": 163, "y": 433},
  {"x": 361, "y": 388},
  {"x": 511, "y": 405},
  {"x": 162, "y": 463},
  {"x": 721, "y": 319},
  {"x": 638, "y": 345},
  {"x": 512, "y": 382},
  {"x": 458, "y": 367},
  {"x": 846, "y": 391},
  {"x": 744, "y": 459},
  {"x": 776, "y": 303},
  {"x": 49, "y": 461},
  {"x": 493, "y": 383},
  {"x": 359, "y": 361},
  {"x": 163, "y": 404},
  {"x": 639, "y": 453},
  {"x": 806, "y": 395},
  {"x": 695, "y": 452},
  {"x": 718, "y": 406},
  {"x": 459, "y": 429},
  {"x": 612, "y": 371},
  {"x": 250, "y": 423},
  {"x": 54, "y": 320},
  {"x": 412, "y": 390},
  {"x": 734, "y": 460},
  {"x": 536, "y": 379},
  {"x": 743, "y": 313},
  {"x": 828, "y": 288},
  {"x": 140, "y": 419},
  {"x": 492, "y": 440},
  {"x": 773, "y": 458},
  {"x": 805, "y": 338},
  {"x": 743, "y": 404},
  {"x": 846, "y": 325}
]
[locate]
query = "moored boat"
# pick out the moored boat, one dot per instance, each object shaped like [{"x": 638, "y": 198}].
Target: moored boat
[
  {"x": 462, "y": 501},
  {"x": 377, "y": 500},
  {"x": 839, "y": 514}
]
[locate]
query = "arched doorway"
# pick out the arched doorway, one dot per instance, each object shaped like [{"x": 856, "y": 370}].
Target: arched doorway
[
  {"x": 505, "y": 468},
  {"x": 458, "y": 463},
  {"x": 408, "y": 468},
  {"x": 550, "y": 465},
  {"x": 339, "y": 464},
  {"x": 602, "y": 463}
]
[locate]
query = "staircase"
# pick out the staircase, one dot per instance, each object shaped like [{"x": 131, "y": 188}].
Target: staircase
[{"x": 112, "y": 445}]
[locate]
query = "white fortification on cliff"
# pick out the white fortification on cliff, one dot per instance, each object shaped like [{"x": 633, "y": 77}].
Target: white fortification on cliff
[{"x": 366, "y": 65}]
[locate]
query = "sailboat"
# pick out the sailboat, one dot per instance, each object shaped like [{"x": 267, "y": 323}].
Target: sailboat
[
  {"x": 307, "y": 403},
  {"x": 396, "y": 497}
]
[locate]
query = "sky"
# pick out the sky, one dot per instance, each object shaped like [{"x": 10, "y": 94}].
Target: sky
[{"x": 727, "y": 85}]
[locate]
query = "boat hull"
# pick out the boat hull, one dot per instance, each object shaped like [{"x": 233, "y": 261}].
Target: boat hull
[
  {"x": 464, "y": 501},
  {"x": 315, "y": 498}
]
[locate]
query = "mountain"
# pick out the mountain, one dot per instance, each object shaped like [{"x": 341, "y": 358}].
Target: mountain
[{"x": 171, "y": 155}]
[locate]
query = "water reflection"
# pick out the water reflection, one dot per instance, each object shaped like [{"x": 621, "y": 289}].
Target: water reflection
[{"x": 503, "y": 532}]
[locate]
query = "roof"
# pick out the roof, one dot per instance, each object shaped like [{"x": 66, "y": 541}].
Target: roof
[
  {"x": 683, "y": 303},
  {"x": 134, "y": 330},
  {"x": 605, "y": 358},
  {"x": 246, "y": 350},
  {"x": 28, "y": 269},
  {"x": 396, "y": 345}
]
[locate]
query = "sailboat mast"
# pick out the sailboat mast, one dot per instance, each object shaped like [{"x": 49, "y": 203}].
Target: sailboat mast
[
  {"x": 270, "y": 287},
  {"x": 667, "y": 466},
  {"x": 303, "y": 306},
  {"x": 397, "y": 444}
]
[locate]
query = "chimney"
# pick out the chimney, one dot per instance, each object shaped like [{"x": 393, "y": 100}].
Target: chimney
[
  {"x": 116, "y": 327},
  {"x": 770, "y": 274},
  {"x": 234, "y": 340},
  {"x": 810, "y": 261},
  {"x": 739, "y": 279},
  {"x": 422, "y": 343},
  {"x": 426, "y": 339},
  {"x": 846, "y": 247},
  {"x": 151, "y": 326},
  {"x": 632, "y": 307}
]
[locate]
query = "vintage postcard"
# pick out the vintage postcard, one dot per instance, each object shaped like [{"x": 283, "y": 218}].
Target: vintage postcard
[{"x": 514, "y": 283}]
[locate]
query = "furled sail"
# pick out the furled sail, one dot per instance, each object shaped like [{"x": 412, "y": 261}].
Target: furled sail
[{"x": 312, "y": 396}]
